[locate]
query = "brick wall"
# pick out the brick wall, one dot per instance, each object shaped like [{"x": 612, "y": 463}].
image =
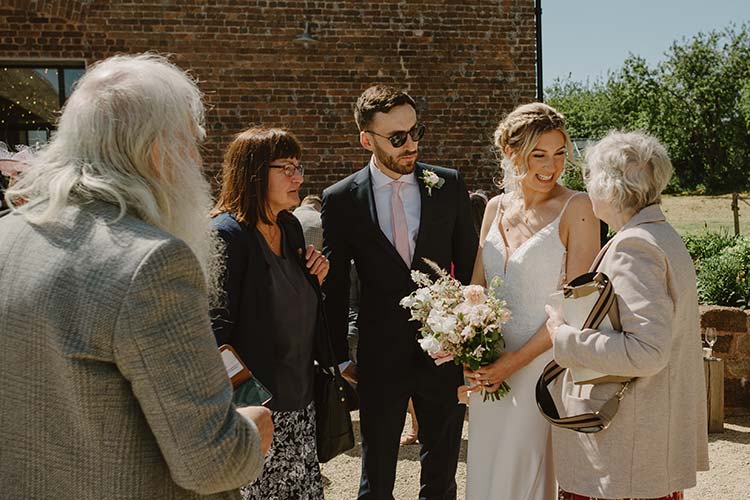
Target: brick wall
[
  {"x": 467, "y": 62},
  {"x": 733, "y": 346}
]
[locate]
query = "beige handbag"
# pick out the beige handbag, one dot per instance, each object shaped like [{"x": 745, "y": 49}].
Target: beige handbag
[{"x": 587, "y": 302}]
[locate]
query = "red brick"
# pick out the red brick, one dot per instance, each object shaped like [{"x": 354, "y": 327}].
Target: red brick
[{"x": 466, "y": 64}]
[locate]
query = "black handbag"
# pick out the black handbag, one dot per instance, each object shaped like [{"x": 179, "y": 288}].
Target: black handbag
[
  {"x": 333, "y": 424},
  {"x": 333, "y": 396}
]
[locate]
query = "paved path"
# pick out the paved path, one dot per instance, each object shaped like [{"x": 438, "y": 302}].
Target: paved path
[{"x": 729, "y": 478}]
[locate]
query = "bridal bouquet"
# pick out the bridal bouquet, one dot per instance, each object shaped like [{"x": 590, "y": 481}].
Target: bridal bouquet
[{"x": 460, "y": 323}]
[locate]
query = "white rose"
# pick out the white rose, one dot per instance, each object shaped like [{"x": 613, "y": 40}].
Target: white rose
[{"x": 430, "y": 345}]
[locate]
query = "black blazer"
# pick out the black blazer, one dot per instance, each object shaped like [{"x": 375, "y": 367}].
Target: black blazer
[
  {"x": 243, "y": 321},
  {"x": 387, "y": 339}
]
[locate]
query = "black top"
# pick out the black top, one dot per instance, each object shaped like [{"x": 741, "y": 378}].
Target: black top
[
  {"x": 270, "y": 315},
  {"x": 294, "y": 308}
]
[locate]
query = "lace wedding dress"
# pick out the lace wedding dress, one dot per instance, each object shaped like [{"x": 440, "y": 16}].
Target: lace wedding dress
[{"x": 510, "y": 455}]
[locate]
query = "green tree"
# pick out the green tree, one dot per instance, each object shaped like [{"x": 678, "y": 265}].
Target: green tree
[{"x": 697, "y": 101}]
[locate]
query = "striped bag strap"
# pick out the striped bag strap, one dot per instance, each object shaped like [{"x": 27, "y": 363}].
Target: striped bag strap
[{"x": 605, "y": 305}]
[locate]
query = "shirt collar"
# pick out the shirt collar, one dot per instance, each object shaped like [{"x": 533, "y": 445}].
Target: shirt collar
[{"x": 379, "y": 179}]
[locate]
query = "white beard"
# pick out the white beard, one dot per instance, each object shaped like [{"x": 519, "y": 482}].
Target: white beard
[{"x": 190, "y": 203}]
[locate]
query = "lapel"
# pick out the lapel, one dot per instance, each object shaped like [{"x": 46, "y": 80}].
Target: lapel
[
  {"x": 651, "y": 213},
  {"x": 427, "y": 204},
  {"x": 365, "y": 200}
]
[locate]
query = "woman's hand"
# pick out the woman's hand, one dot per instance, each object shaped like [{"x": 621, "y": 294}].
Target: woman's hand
[
  {"x": 490, "y": 377},
  {"x": 316, "y": 263}
]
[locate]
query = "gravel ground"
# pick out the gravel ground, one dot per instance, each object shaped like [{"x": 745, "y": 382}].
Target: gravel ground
[{"x": 728, "y": 479}]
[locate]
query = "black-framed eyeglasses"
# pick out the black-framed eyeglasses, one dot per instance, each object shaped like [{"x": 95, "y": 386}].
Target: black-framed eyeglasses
[
  {"x": 398, "y": 139},
  {"x": 290, "y": 170}
]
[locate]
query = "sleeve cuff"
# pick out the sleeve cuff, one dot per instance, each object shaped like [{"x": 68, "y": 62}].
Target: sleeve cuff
[{"x": 563, "y": 342}]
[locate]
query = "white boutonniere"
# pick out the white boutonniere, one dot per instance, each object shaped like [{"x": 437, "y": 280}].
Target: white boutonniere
[{"x": 432, "y": 180}]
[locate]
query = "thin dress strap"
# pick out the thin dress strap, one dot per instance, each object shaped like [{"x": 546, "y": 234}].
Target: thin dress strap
[
  {"x": 565, "y": 206},
  {"x": 564, "y": 267}
]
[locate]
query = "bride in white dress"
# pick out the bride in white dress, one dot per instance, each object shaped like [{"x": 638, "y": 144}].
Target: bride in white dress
[{"x": 532, "y": 237}]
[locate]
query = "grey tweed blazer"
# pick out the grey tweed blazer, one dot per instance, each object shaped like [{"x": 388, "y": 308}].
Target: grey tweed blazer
[{"x": 111, "y": 386}]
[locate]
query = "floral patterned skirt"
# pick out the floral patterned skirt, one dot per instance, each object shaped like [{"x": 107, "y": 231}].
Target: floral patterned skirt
[
  {"x": 564, "y": 495},
  {"x": 291, "y": 470}
]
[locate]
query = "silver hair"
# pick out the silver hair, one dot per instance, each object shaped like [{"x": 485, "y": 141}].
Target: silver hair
[
  {"x": 129, "y": 124},
  {"x": 629, "y": 170},
  {"x": 128, "y": 135}
]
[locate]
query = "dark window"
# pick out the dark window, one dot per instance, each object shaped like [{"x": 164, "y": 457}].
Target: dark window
[{"x": 31, "y": 96}]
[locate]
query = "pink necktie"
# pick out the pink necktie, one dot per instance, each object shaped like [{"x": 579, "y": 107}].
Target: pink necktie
[{"x": 398, "y": 222}]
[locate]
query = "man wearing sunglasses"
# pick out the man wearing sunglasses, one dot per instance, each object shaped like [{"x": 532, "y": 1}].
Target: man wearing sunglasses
[{"x": 388, "y": 218}]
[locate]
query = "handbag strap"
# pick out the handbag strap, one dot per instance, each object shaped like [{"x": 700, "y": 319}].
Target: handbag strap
[{"x": 605, "y": 305}]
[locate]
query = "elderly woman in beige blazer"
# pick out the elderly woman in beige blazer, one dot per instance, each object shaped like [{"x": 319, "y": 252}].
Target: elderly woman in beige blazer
[{"x": 657, "y": 440}]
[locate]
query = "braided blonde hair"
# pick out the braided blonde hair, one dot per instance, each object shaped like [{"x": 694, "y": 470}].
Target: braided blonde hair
[{"x": 520, "y": 131}]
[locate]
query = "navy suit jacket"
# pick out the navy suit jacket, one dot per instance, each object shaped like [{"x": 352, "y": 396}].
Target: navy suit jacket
[{"x": 388, "y": 347}]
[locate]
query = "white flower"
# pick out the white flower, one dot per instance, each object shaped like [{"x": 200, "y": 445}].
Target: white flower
[
  {"x": 441, "y": 322},
  {"x": 454, "y": 337},
  {"x": 420, "y": 278},
  {"x": 418, "y": 299},
  {"x": 432, "y": 180},
  {"x": 462, "y": 308},
  {"x": 430, "y": 345},
  {"x": 409, "y": 301},
  {"x": 423, "y": 295},
  {"x": 478, "y": 315},
  {"x": 479, "y": 351},
  {"x": 467, "y": 333}
]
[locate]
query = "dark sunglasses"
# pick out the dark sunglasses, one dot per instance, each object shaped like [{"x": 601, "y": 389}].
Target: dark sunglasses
[
  {"x": 398, "y": 139},
  {"x": 290, "y": 170}
]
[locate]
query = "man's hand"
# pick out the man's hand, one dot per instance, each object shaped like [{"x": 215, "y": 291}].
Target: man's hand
[{"x": 261, "y": 416}]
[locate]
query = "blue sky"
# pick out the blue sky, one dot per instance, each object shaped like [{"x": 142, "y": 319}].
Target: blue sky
[{"x": 585, "y": 38}]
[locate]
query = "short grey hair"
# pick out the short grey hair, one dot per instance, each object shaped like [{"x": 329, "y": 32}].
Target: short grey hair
[
  {"x": 627, "y": 169},
  {"x": 129, "y": 129}
]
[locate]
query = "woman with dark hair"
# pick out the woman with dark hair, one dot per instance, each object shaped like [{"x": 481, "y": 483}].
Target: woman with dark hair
[{"x": 271, "y": 314}]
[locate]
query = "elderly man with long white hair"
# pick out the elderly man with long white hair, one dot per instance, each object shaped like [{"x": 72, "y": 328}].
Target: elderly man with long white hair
[
  {"x": 657, "y": 439},
  {"x": 112, "y": 383}
]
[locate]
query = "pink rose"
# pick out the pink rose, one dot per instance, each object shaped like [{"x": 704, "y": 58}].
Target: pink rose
[
  {"x": 474, "y": 294},
  {"x": 441, "y": 357}
]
